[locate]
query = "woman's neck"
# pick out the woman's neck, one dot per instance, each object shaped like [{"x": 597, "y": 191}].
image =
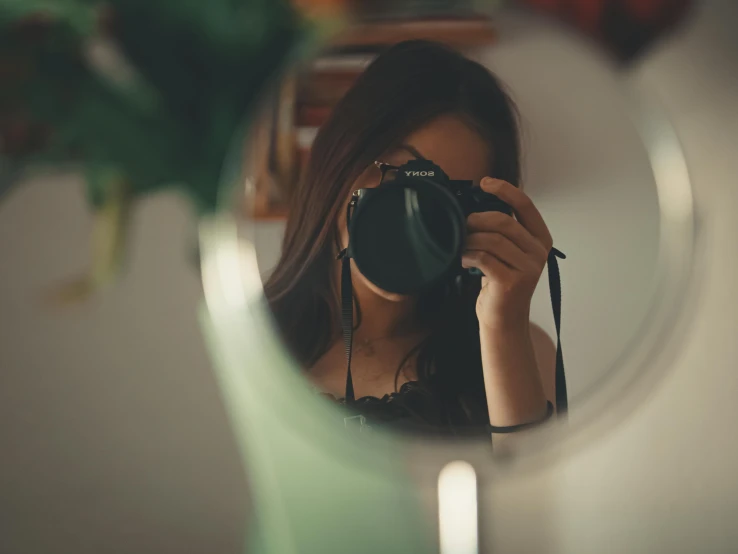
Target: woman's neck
[{"x": 381, "y": 318}]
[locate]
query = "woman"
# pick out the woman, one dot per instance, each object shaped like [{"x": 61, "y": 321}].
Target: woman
[{"x": 453, "y": 360}]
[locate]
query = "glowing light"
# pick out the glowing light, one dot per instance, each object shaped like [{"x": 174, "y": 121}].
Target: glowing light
[
  {"x": 457, "y": 509},
  {"x": 229, "y": 268}
]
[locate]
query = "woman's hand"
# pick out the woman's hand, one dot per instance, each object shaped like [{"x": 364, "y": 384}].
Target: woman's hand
[{"x": 511, "y": 252}]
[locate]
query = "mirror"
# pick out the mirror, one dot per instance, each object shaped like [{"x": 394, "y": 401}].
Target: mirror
[{"x": 410, "y": 195}]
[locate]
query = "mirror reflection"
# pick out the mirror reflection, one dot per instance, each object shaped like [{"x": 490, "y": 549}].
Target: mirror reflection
[{"x": 403, "y": 195}]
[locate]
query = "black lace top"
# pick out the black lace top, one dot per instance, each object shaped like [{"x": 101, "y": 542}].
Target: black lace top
[{"x": 413, "y": 409}]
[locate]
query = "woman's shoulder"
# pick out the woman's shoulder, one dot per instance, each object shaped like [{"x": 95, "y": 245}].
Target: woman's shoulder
[
  {"x": 538, "y": 335},
  {"x": 544, "y": 349}
]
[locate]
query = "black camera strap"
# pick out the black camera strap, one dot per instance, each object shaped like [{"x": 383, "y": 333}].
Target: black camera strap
[
  {"x": 347, "y": 316},
  {"x": 347, "y": 308},
  {"x": 554, "y": 285}
]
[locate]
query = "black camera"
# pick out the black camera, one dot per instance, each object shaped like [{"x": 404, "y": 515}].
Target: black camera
[{"x": 408, "y": 233}]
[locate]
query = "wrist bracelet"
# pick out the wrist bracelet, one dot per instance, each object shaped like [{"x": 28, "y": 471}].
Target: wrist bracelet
[{"x": 522, "y": 426}]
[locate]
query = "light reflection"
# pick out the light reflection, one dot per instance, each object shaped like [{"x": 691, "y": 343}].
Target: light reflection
[
  {"x": 457, "y": 509},
  {"x": 230, "y": 271}
]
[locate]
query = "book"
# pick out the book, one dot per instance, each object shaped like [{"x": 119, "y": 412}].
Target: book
[{"x": 312, "y": 115}]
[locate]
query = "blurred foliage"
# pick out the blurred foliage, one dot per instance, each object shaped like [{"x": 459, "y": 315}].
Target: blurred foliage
[
  {"x": 626, "y": 29},
  {"x": 141, "y": 94},
  {"x": 197, "y": 68}
]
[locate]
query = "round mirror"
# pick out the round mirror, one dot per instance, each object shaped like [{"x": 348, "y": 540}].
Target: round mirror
[{"x": 454, "y": 227}]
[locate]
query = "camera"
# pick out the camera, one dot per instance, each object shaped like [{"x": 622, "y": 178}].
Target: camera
[{"x": 408, "y": 233}]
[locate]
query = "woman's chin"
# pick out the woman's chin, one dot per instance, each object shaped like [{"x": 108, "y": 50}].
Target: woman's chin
[
  {"x": 392, "y": 297},
  {"x": 362, "y": 282},
  {"x": 388, "y": 296}
]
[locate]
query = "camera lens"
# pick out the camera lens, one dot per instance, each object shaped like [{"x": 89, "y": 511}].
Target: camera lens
[{"x": 407, "y": 235}]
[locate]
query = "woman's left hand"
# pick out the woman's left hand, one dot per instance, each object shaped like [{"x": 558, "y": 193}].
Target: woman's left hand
[{"x": 511, "y": 252}]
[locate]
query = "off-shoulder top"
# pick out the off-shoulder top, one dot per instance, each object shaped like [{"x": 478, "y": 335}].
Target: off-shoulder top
[{"x": 412, "y": 409}]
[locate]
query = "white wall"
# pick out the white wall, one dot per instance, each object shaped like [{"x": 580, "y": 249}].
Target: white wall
[
  {"x": 112, "y": 435},
  {"x": 664, "y": 480},
  {"x": 677, "y": 455},
  {"x": 113, "y": 439}
]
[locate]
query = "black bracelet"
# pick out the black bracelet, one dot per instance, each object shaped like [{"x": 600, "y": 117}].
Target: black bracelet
[{"x": 522, "y": 426}]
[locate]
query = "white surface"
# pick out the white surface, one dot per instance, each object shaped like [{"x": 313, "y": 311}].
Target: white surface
[
  {"x": 458, "y": 509},
  {"x": 113, "y": 438},
  {"x": 112, "y": 435},
  {"x": 677, "y": 456},
  {"x": 665, "y": 480}
]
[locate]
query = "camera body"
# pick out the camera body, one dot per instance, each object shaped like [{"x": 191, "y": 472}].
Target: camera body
[
  {"x": 470, "y": 197},
  {"x": 408, "y": 233}
]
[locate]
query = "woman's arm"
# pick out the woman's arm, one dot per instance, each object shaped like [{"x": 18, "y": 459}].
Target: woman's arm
[
  {"x": 545, "y": 351},
  {"x": 512, "y": 253},
  {"x": 516, "y": 382}
]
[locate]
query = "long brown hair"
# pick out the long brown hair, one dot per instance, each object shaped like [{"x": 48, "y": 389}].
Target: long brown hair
[{"x": 404, "y": 88}]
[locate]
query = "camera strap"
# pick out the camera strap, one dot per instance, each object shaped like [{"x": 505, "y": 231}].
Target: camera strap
[
  {"x": 347, "y": 317},
  {"x": 554, "y": 285}
]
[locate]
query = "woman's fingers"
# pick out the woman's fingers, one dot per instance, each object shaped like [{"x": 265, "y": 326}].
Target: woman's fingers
[
  {"x": 525, "y": 210},
  {"x": 501, "y": 248},
  {"x": 503, "y": 224},
  {"x": 487, "y": 264}
]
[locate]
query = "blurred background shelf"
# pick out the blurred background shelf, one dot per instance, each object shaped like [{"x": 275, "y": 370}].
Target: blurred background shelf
[
  {"x": 458, "y": 32},
  {"x": 307, "y": 97}
]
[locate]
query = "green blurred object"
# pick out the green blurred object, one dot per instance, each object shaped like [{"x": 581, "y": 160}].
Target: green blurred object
[
  {"x": 199, "y": 66},
  {"x": 317, "y": 487},
  {"x": 142, "y": 95}
]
